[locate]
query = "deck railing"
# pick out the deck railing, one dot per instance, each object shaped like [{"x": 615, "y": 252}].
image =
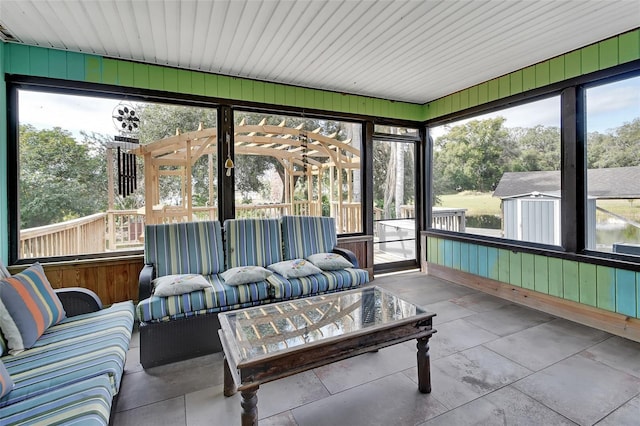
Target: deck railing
[
  {"x": 77, "y": 236},
  {"x": 124, "y": 229}
]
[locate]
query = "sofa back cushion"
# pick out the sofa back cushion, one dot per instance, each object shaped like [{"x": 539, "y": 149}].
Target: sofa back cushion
[
  {"x": 184, "y": 248},
  {"x": 306, "y": 235},
  {"x": 252, "y": 242}
]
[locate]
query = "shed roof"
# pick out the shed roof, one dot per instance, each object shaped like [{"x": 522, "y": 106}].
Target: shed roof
[{"x": 618, "y": 182}]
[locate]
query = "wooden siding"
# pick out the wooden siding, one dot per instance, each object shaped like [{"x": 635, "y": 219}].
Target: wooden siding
[
  {"x": 113, "y": 280},
  {"x": 605, "y": 54},
  {"x": 612, "y": 289},
  {"x": 42, "y": 62}
]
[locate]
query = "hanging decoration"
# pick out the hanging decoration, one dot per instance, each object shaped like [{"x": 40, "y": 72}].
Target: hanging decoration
[
  {"x": 127, "y": 122},
  {"x": 228, "y": 164}
]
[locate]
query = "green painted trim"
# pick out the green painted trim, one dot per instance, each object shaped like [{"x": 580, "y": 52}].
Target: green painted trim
[
  {"x": 601, "y": 55},
  {"x": 42, "y": 62}
]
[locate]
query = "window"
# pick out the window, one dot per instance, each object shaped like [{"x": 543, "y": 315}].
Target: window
[
  {"x": 93, "y": 170},
  {"x": 498, "y": 174},
  {"x": 613, "y": 167},
  {"x": 298, "y": 166}
]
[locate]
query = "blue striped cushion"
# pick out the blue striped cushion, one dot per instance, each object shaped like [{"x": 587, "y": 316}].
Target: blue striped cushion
[
  {"x": 87, "y": 402},
  {"x": 6, "y": 382},
  {"x": 327, "y": 281},
  {"x": 184, "y": 248},
  {"x": 306, "y": 235},
  {"x": 252, "y": 242},
  {"x": 78, "y": 348},
  {"x": 217, "y": 296},
  {"x": 28, "y": 306}
]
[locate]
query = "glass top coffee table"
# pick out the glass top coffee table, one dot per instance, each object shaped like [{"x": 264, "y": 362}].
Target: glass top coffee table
[{"x": 269, "y": 342}]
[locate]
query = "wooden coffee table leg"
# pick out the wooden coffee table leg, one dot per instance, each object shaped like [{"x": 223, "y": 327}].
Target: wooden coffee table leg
[
  {"x": 249, "y": 403},
  {"x": 229, "y": 385},
  {"x": 424, "y": 365}
]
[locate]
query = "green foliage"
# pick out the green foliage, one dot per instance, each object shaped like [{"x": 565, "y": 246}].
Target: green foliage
[
  {"x": 619, "y": 147},
  {"x": 60, "y": 179},
  {"x": 472, "y": 156}
]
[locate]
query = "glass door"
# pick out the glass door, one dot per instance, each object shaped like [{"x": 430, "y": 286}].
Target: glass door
[{"x": 394, "y": 223}]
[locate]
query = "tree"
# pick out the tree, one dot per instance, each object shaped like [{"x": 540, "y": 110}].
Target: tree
[
  {"x": 59, "y": 177},
  {"x": 472, "y": 156},
  {"x": 619, "y": 147}
]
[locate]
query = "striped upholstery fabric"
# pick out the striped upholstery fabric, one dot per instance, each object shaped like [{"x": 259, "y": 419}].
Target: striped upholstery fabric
[
  {"x": 306, "y": 235},
  {"x": 29, "y": 306},
  {"x": 252, "y": 242},
  {"x": 327, "y": 281},
  {"x": 212, "y": 299},
  {"x": 78, "y": 348},
  {"x": 87, "y": 402},
  {"x": 184, "y": 248}
]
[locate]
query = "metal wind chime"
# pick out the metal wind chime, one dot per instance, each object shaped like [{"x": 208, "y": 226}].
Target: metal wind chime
[{"x": 127, "y": 122}]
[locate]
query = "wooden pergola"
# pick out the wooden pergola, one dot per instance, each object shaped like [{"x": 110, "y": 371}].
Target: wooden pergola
[{"x": 302, "y": 153}]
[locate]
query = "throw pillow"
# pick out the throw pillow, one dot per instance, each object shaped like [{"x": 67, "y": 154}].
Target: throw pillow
[
  {"x": 245, "y": 275},
  {"x": 173, "y": 285},
  {"x": 6, "y": 382},
  {"x": 295, "y": 268},
  {"x": 329, "y": 261},
  {"x": 28, "y": 306}
]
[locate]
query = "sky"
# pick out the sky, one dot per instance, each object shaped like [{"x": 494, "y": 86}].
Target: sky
[{"x": 609, "y": 106}]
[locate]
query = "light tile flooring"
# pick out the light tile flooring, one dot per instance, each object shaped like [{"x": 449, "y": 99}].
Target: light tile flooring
[{"x": 492, "y": 363}]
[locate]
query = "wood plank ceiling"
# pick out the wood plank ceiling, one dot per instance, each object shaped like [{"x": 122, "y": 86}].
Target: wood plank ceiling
[{"x": 406, "y": 50}]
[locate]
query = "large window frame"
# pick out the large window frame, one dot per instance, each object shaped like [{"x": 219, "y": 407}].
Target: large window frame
[
  {"x": 572, "y": 169},
  {"x": 225, "y": 108}
]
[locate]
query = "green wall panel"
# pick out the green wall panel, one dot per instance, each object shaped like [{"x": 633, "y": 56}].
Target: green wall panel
[
  {"x": 570, "y": 283},
  {"x": 17, "y": 59},
  {"x": 110, "y": 71},
  {"x": 57, "y": 64},
  {"x": 455, "y": 255},
  {"x": 541, "y": 280},
  {"x": 516, "y": 82},
  {"x": 626, "y": 298},
  {"x": 572, "y": 64},
  {"x": 75, "y": 66},
  {"x": 156, "y": 77},
  {"x": 493, "y": 267},
  {"x": 605, "y": 288},
  {"x": 125, "y": 74},
  {"x": 590, "y": 59},
  {"x": 529, "y": 78},
  {"x": 528, "y": 271},
  {"x": 555, "y": 277},
  {"x": 587, "y": 279},
  {"x": 542, "y": 74},
  {"x": 629, "y": 46},
  {"x": 556, "y": 69},
  {"x": 464, "y": 257},
  {"x": 504, "y": 83},
  {"x": 38, "y": 62},
  {"x": 608, "y": 52},
  {"x": 197, "y": 84},
  {"x": 170, "y": 79},
  {"x": 448, "y": 253},
  {"x": 93, "y": 69},
  {"x": 483, "y": 261},
  {"x": 493, "y": 90},
  {"x": 184, "y": 81},
  {"x": 515, "y": 268},
  {"x": 503, "y": 265},
  {"x": 473, "y": 259},
  {"x": 224, "y": 87}
]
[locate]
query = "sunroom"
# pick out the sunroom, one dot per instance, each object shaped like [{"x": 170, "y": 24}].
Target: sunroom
[{"x": 480, "y": 159}]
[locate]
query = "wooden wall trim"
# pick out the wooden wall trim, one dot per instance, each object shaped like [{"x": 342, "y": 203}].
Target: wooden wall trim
[{"x": 611, "y": 322}]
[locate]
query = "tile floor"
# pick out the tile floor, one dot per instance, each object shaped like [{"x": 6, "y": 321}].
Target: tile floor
[{"x": 492, "y": 363}]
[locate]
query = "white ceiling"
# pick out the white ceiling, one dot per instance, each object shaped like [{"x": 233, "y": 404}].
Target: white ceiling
[{"x": 407, "y": 50}]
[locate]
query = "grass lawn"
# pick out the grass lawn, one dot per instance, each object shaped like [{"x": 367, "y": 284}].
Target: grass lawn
[
  {"x": 476, "y": 203},
  {"x": 482, "y": 203}
]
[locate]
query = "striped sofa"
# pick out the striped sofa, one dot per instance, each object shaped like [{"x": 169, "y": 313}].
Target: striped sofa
[
  {"x": 72, "y": 374},
  {"x": 178, "y": 327}
]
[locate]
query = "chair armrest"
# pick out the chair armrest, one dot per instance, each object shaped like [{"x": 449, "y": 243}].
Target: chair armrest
[
  {"x": 144, "y": 282},
  {"x": 77, "y": 300},
  {"x": 347, "y": 254}
]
